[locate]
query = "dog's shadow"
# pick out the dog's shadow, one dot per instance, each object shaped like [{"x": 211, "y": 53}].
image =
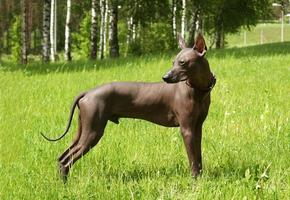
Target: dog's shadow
[
  {"x": 223, "y": 171},
  {"x": 140, "y": 173}
]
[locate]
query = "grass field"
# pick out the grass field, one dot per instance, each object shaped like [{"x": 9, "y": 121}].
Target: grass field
[
  {"x": 245, "y": 142},
  {"x": 261, "y": 34}
]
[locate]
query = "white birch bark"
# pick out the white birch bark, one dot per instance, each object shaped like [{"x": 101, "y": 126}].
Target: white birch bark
[
  {"x": 67, "y": 46},
  {"x": 101, "y": 44},
  {"x": 133, "y": 30},
  {"x": 106, "y": 25},
  {"x": 52, "y": 30},
  {"x": 128, "y": 31},
  {"x": 55, "y": 28},
  {"x": 183, "y": 18},
  {"x": 174, "y": 18}
]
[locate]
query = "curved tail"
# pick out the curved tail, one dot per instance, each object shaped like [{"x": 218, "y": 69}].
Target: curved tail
[{"x": 69, "y": 120}]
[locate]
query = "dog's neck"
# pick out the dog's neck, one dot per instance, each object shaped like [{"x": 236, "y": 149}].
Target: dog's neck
[
  {"x": 204, "y": 86},
  {"x": 202, "y": 79}
]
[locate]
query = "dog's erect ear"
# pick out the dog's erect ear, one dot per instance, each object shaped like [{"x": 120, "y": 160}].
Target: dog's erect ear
[
  {"x": 200, "y": 45},
  {"x": 181, "y": 42}
]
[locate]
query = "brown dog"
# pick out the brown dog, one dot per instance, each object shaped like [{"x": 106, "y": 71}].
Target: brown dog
[{"x": 184, "y": 104}]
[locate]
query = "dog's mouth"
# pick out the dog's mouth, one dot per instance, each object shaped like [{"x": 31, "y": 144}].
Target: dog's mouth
[
  {"x": 170, "y": 80},
  {"x": 174, "y": 79}
]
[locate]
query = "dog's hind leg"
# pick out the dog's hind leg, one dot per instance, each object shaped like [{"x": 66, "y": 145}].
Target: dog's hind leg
[
  {"x": 93, "y": 120},
  {"x": 75, "y": 140},
  {"x": 87, "y": 141}
]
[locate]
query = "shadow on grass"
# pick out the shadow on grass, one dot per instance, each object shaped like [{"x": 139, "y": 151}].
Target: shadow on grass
[
  {"x": 143, "y": 172},
  {"x": 227, "y": 171},
  {"x": 37, "y": 67},
  {"x": 235, "y": 171}
]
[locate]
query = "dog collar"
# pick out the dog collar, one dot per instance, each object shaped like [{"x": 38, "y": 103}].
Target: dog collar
[{"x": 206, "y": 90}]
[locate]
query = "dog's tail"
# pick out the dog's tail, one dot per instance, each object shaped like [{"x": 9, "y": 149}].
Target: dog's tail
[{"x": 75, "y": 103}]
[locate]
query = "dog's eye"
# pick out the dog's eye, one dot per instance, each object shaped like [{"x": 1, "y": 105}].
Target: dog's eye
[{"x": 181, "y": 62}]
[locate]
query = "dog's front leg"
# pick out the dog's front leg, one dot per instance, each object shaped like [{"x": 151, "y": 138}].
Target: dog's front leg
[
  {"x": 192, "y": 140},
  {"x": 197, "y": 145}
]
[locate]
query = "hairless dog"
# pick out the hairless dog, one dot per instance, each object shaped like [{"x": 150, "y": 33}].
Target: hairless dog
[{"x": 182, "y": 100}]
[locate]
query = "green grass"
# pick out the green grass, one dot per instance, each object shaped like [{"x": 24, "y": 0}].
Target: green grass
[
  {"x": 261, "y": 34},
  {"x": 245, "y": 142}
]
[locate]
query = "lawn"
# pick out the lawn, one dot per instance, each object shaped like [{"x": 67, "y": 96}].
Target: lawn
[
  {"x": 246, "y": 136},
  {"x": 260, "y": 34}
]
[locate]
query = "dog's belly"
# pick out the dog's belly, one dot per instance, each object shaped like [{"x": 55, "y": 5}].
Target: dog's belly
[{"x": 155, "y": 115}]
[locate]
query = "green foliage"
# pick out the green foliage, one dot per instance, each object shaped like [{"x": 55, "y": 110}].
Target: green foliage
[
  {"x": 154, "y": 38},
  {"x": 135, "y": 48},
  {"x": 15, "y": 31},
  {"x": 229, "y": 16},
  {"x": 81, "y": 38},
  {"x": 157, "y": 37},
  {"x": 151, "y": 17}
]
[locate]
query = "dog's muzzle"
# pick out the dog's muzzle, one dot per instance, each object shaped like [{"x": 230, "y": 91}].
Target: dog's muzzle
[{"x": 168, "y": 77}]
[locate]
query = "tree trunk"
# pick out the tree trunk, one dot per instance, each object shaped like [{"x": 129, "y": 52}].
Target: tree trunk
[
  {"x": 53, "y": 30},
  {"x": 219, "y": 33},
  {"x": 174, "y": 21},
  {"x": 183, "y": 18},
  {"x": 94, "y": 29},
  {"x": 199, "y": 22},
  {"x": 67, "y": 46},
  {"x": 129, "y": 29},
  {"x": 192, "y": 29},
  {"x": 113, "y": 31},
  {"x": 106, "y": 26},
  {"x": 24, "y": 32},
  {"x": 133, "y": 31},
  {"x": 29, "y": 24},
  {"x": 101, "y": 46},
  {"x": 45, "y": 30},
  {"x": 129, "y": 32}
]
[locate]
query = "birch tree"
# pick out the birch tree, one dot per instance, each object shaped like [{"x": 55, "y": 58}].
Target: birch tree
[
  {"x": 195, "y": 22},
  {"x": 174, "y": 19},
  {"x": 129, "y": 30},
  {"x": 102, "y": 28},
  {"x": 53, "y": 30},
  {"x": 24, "y": 32},
  {"x": 94, "y": 27},
  {"x": 113, "y": 29},
  {"x": 105, "y": 25},
  {"x": 67, "y": 47},
  {"x": 45, "y": 30},
  {"x": 183, "y": 18}
]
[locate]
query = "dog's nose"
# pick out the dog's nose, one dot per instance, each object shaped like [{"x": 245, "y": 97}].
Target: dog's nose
[{"x": 167, "y": 76}]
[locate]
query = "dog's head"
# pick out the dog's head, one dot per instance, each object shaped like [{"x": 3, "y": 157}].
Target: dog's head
[{"x": 188, "y": 62}]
